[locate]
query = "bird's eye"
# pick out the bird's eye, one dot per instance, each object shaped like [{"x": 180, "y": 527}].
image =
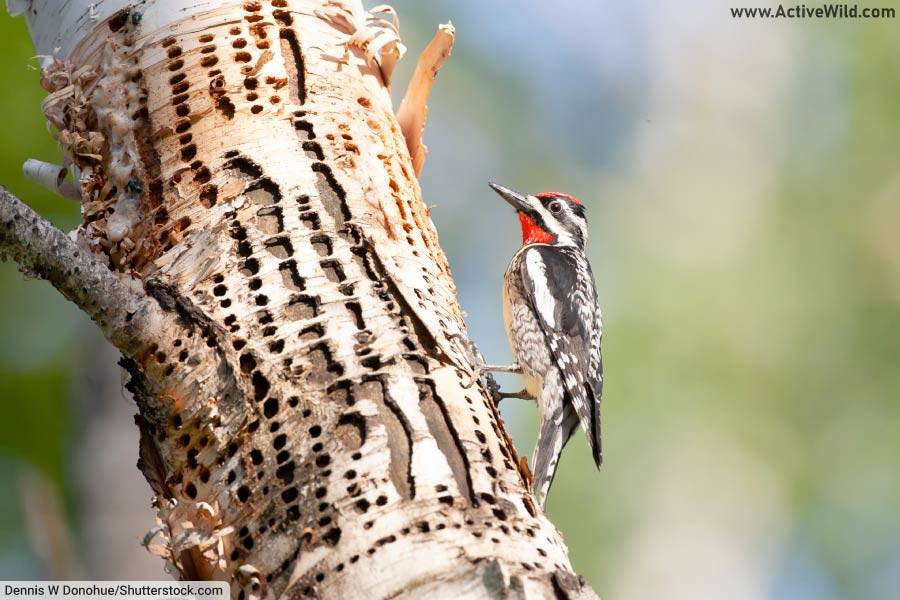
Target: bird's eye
[{"x": 555, "y": 207}]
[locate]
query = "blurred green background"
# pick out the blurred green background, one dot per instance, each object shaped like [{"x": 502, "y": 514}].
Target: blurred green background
[{"x": 742, "y": 180}]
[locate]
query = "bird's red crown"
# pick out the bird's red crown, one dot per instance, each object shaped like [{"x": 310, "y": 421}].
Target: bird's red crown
[{"x": 550, "y": 195}]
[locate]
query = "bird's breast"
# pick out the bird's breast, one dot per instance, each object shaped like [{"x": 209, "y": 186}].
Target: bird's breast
[{"x": 524, "y": 331}]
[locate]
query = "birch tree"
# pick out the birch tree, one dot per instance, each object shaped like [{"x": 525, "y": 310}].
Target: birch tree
[{"x": 253, "y": 241}]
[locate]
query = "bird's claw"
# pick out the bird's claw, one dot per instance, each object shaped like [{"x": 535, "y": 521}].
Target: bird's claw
[
  {"x": 521, "y": 395},
  {"x": 482, "y": 372}
]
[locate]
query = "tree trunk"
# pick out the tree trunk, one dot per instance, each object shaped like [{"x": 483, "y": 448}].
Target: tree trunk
[{"x": 259, "y": 251}]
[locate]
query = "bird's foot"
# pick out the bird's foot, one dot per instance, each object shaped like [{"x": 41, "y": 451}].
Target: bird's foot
[
  {"x": 521, "y": 395},
  {"x": 495, "y": 389},
  {"x": 482, "y": 372},
  {"x": 513, "y": 368}
]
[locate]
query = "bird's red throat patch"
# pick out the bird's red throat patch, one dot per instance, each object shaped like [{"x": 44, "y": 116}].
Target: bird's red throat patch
[{"x": 532, "y": 233}]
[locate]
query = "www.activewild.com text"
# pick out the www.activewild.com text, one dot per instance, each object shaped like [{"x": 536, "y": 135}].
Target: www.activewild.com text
[{"x": 826, "y": 11}]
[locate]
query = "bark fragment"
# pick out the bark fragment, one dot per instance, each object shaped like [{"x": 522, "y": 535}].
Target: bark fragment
[{"x": 414, "y": 107}]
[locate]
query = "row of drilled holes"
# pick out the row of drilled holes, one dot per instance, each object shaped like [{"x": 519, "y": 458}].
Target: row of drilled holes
[
  {"x": 407, "y": 210},
  {"x": 258, "y": 31},
  {"x": 479, "y": 435},
  {"x": 281, "y": 248},
  {"x": 336, "y": 277},
  {"x": 333, "y": 279},
  {"x": 334, "y": 273},
  {"x": 326, "y": 247},
  {"x": 417, "y": 363},
  {"x": 425, "y": 527}
]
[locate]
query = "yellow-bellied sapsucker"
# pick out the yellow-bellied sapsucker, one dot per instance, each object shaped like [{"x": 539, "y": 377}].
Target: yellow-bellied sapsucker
[{"x": 552, "y": 317}]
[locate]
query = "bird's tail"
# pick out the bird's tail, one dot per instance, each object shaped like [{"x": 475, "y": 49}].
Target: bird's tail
[{"x": 555, "y": 431}]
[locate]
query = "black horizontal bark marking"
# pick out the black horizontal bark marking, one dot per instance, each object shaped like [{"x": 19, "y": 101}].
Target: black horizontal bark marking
[
  {"x": 263, "y": 191},
  {"x": 244, "y": 165}
]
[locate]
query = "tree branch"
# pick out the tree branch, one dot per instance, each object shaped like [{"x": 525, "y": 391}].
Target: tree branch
[
  {"x": 130, "y": 318},
  {"x": 121, "y": 309}
]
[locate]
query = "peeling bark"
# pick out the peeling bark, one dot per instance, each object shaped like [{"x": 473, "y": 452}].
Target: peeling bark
[
  {"x": 285, "y": 311},
  {"x": 414, "y": 108}
]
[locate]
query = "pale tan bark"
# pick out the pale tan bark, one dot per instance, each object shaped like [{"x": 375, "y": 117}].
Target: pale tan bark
[{"x": 307, "y": 423}]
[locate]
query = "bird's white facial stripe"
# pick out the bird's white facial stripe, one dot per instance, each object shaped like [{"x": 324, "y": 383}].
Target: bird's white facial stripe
[
  {"x": 544, "y": 302},
  {"x": 537, "y": 205},
  {"x": 552, "y": 221}
]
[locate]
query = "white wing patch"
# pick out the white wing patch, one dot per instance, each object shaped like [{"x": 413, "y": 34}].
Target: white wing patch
[{"x": 544, "y": 302}]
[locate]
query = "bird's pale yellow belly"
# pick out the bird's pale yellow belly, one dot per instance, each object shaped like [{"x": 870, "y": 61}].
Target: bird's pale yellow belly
[{"x": 513, "y": 330}]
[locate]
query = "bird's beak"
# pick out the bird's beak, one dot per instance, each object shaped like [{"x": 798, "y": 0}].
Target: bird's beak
[{"x": 517, "y": 200}]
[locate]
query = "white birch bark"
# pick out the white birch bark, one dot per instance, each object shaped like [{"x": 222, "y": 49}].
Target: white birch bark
[{"x": 286, "y": 314}]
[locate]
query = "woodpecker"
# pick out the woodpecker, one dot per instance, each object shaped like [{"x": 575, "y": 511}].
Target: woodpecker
[{"x": 553, "y": 321}]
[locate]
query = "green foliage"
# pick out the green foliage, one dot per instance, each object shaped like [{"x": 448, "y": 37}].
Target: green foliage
[{"x": 36, "y": 323}]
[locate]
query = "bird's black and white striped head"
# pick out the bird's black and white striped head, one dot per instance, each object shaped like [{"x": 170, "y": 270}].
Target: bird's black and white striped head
[{"x": 550, "y": 218}]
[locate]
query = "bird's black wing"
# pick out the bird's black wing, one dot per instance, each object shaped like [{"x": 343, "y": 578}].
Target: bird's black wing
[{"x": 560, "y": 287}]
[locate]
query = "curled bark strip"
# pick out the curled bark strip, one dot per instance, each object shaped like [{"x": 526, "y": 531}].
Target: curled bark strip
[
  {"x": 414, "y": 107},
  {"x": 375, "y": 36},
  {"x": 50, "y": 176}
]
